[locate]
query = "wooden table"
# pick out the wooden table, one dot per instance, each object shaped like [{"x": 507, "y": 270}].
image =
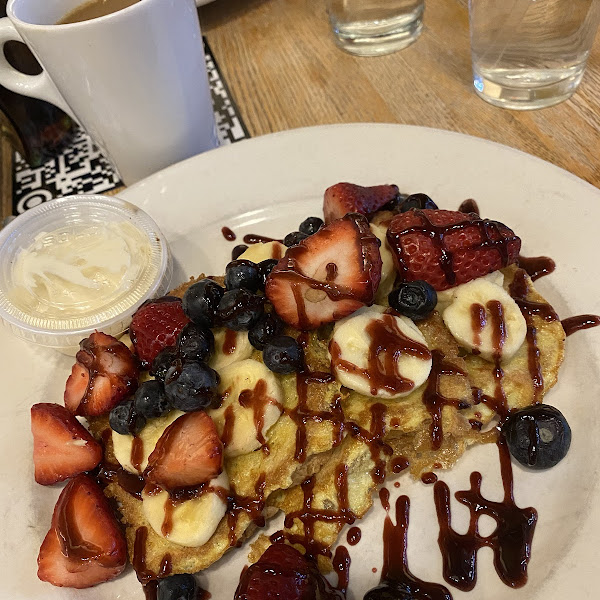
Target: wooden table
[{"x": 283, "y": 69}]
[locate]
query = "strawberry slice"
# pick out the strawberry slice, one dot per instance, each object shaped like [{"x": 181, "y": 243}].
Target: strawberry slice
[
  {"x": 105, "y": 372},
  {"x": 62, "y": 446},
  {"x": 282, "y": 572},
  {"x": 329, "y": 275},
  {"x": 447, "y": 248},
  {"x": 155, "y": 326},
  {"x": 343, "y": 198},
  {"x": 85, "y": 544},
  {"x": 188, "y": 453}
]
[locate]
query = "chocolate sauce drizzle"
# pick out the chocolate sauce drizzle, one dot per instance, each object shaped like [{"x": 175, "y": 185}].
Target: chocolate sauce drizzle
[
  {"x": 395, "y": 571},
  {"x": 353, "y": 536},
  {"x": 537, "y": 266},
  {"x": 228, "y": 234},
  {"x": 253, "y": 238},
  {"x": 510, "y": 541},
  {"x": 574, "y": 324}
]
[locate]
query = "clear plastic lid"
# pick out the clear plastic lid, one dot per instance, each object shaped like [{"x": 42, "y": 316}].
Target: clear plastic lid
[{"x": 79, "y": 264}]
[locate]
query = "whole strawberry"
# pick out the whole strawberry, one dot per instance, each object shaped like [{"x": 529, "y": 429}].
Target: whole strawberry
[
  {"x": 446, "y": 248},
  {"x": 155, "y": 326}
]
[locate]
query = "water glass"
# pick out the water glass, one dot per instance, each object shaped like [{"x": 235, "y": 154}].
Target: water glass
[
  {"x": 374, "y": 27},
  {"x": 530, "y": 54}
]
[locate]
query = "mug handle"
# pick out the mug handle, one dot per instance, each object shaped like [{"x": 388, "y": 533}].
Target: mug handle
[{"x": 36, "y": 86}]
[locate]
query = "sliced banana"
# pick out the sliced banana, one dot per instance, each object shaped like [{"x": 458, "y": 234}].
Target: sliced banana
[
  {"x": 191, "y": 522},
  {"x": 230, "y": 347},
  {"x": 445, "y": 297},
  {"x": 485, "y": 319},
  {"x": 262, "y": 251},
  {"x": 123, "y": 445},
  {"x": 251, "y": 404},
  {"x": 378, "y": 354},
  {"x": 388, "y": 270}
]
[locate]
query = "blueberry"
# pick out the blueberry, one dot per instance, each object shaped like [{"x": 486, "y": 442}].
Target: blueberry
[
  {"x": 266, "y": 328},
  {"x": 124, "y": 419},
  {"x": 294, "y": 238},
  {"x": 420, "y": 201},
  {"x": 264, "y": 270},
  {"x": 238, "y": 251},
  {"x": 162, "y": 362},
  {"x": 195, "y": 342},
  {"x": 200, "y": 301},
  {"x": 239, "y": 309},
  {"x": 311, "y": 225},
  {"x": 283, "y": 354},
  {"x": 538, "y": 437},
  {"x": 150, "y": 400},
  {"x": 242, "y": 274},
  {"x": 389, "y": 591},
  {"x": 395, "y": 203},
  {"x": 176, "y": 587},
  {"x": 192, "y": 386},
  {"x": 413, "y": 299}
]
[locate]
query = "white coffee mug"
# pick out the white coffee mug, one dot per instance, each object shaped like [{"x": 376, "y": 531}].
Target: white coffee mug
[{"x": 134, "y": 79}]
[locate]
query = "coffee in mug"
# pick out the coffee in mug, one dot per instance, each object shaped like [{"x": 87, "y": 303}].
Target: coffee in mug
[{"x": 94, "y": 9}]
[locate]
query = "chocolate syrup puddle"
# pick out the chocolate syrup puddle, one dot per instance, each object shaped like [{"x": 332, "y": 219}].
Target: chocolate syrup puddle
[
  {"x": 353, "y": 536},
  {"x": 228, "y": 234},
  {"x": 469, "y": 206},
  {"x": 573, "y": 324},
  {"x": 536, "y": 266},
  {"x": 510, "y": 541},
  {"x": 395, "y": 572}
]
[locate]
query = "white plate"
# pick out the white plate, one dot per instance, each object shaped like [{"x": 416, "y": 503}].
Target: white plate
[{"x": 268, "y": 185}]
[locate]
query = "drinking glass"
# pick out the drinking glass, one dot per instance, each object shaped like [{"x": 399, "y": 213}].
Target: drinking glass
[
  {"x": 372, "y": 27},
  {"x": 530, "y": 54}
]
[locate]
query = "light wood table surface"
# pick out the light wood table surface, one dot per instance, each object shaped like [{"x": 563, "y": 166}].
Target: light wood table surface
[{"x": 284, "y": 71}]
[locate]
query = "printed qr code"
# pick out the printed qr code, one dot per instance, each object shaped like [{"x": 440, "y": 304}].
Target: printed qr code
[{"x": 82, "y": 168}]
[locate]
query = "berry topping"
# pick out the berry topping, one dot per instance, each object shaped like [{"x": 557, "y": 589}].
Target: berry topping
[
  {"x": 104, "y": 374},
  {"x": 188, "y": 453},
  {"x": 239, "y": 309},
  {"x": 283, "y": 355},
  {"x": 420, "y": 201},
  {"x": 125, "y": 419},
  {"x": 242, "y": 274},
  {"x": 238, "y": 251},
  {"x": 294, "y": 238},
  {"x": 85, "y": 545},
  {"x": 150, "y": 399},
  {"x": 447, "y": 248},
  {"x": 62, "y": 446},
  {"x": 328, "y": 275},
  {"x": 311, "y": 225},
  {"x": 343, "y": 198},
  {"x": 191, "y": 386},
  {"x": 267, "y": 327},
  {"x": 177, "y": 587},
  {"x": 200, "y": 301},
  {"x": 538, "y": 437},
  {"x": 195, "y": 342},
  {"x": 414, "y": 299},
  {"x": 156, "y": 325},
  {"x": 282, "y": 572},
  {"x": 264, "y": 270},
  {"x": 161, "y": 363}
]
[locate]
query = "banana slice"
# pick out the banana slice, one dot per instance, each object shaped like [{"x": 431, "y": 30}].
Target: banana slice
[
  {"x": 378, "y": 354},
  {"x": 251, "y": 404},
  {"x": 146, "y": 439},
  {"x": 230, "y": 347},
  {"x": 485, "y": 319},
  {"x": 190, "y": 522},
  {"x": 445, "y": 297},
  {"x": 388, "y": 270},
  {"x": 262, "y": 251}
]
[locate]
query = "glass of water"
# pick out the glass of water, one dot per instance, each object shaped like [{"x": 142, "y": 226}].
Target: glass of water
[
  {"x": 372, "y": 27},
  {"x": 530, "y": 53}
]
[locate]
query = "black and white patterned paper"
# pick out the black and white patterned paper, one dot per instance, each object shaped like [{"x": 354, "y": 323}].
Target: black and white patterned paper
[{"x": 82, "y": 168}]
